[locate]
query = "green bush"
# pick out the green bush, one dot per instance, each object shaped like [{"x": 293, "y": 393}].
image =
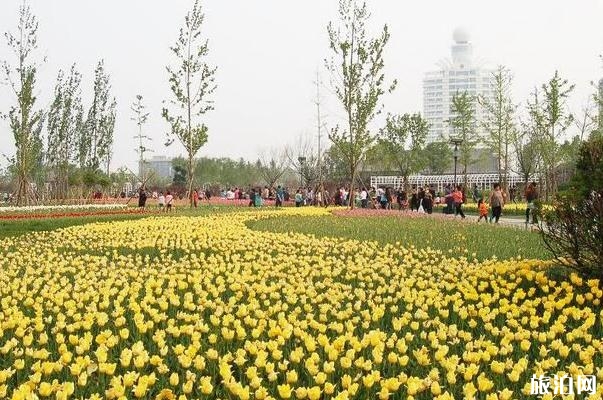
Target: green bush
[{"x": 572, "y": 231}]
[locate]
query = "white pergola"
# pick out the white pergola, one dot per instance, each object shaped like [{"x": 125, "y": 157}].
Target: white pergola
[{"x": 483, "y": 181}]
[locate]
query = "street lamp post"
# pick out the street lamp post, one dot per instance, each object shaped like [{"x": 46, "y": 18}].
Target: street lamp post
[
  {"x": 456, "y": 142},
  {"x": 302, "y": 161}
]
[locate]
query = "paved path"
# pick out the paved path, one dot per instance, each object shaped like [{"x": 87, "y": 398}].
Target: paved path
[{"x": 512, "y": 221}]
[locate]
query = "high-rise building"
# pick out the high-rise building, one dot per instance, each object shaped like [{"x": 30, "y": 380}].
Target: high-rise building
[
  {"x": 161, "y": 166},
  {"x": 459, "y": 74}
]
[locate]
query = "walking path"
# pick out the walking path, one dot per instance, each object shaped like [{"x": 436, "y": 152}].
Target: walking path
[{"x": 513, "y": 221}]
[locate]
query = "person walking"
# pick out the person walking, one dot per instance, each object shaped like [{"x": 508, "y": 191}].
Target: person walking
[
  {"x": 449, "y": 200},
  {"x": 389, "y": 198},
  {"x": 414, "y": 201},
  {"x": 195, "y": 197},
  {"x": 496, "y": 201},
  {"x": 280, "y": 196},
  {"x": 531, "y": 194},
  {"x": 428, "y": 201},
  {"x": 161, "y": 201},
  {"x": 457, "y": 198},
  {"x": 169, "y": 199},
  {"x": 483, "y": 210},
  {"x": 142, "y": 198},
  {"x": 364, "y": 198},
  {"x": 401, "y": 198},
  {"x": 299, "y": 198}
]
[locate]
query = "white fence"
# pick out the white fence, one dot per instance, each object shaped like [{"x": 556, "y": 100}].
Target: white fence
[{"x": 483, "y": 181}]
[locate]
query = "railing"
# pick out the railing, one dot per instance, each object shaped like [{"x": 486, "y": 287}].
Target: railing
[{"x": 483, "y": 181}]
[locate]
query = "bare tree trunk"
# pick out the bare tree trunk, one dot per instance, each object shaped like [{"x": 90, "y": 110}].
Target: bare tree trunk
[{"x": 191, "y": 171}]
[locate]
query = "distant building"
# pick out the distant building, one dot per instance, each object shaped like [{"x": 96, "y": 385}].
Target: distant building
[
  {"x": 161, "y": 166},
  {"x": 459, "y": 74}
]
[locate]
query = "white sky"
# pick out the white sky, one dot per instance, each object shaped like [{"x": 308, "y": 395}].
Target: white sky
[{"x": 268, "y": 52}]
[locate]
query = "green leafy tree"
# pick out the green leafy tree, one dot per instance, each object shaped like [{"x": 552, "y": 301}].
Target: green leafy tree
[
  {"x": 65, "y": 123},
  {"x": 192, "y": 83},
  {"x": 438, "y": 156},
  {"x": 404, "y": 140},
  {"x": 498, "y": 122},
  {"x": 356, "y": 68},
  {"x": 180, "y": 173},
  {"x": 552, "y": 114},
  {"x": 464, "y": 126},
  {"x": 525, "y": 149},
  {"x": 572, "y": 230},
  {"x": 25, "y": 120},
  {"x": 96, "y": 142}
]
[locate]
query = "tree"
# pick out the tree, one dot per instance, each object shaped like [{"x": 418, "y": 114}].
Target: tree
[
  {"x": 572, "y": 231},
  {"x": 272, "y": 166},
  {"x": 587, "y": 121},
  {"x": 463, "y": 123},
  {"x": 303, "y": 158},
  {"x": 140, "y": 118},
  {"x": 404, "y": 140},
  {"x": 335, "y": 166},
  {"x": 180, "y": 173},
  {"x": 25, "y": 120},
  {"x": 437, "y": 157},
  {"x": 526, "y": 151},
  {"x": 96, "y": 142},
  {"x": 356, "y": 68},
  {"x": 498, "y": 122},
  {"x": 552, "y": 113},
  {"x": 192, "y": 83},
  {"x": 65, "y": 122}
]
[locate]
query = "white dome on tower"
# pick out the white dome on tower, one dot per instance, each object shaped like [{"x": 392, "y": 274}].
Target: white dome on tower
[{"x": 461, "y": 35}]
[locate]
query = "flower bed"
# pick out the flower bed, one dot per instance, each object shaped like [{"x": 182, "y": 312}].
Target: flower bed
[
  {"x": 59, "y": 208},
  {"x": 75, "y": 214},
  {"x": 204, "y": 308}
]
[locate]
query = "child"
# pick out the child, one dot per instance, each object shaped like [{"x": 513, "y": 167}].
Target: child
[
  {"x": 168, "y": 201},
  {"x": 483, "y": 210},
  {"x": 161, "y": 201}
]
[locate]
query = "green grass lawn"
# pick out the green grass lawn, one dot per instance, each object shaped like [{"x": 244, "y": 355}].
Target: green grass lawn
[{"x": 453, "y": 237}]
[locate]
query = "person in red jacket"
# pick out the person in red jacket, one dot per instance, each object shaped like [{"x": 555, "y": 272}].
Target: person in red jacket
[
  {"x": 195, "y": 197},
  {"x": 457, "y": 197}
]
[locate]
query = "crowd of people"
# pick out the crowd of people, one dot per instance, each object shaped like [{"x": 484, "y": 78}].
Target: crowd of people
[{"x": 419, "y": 199}]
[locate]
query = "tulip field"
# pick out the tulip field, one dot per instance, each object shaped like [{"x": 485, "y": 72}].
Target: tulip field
[{"x": 243, "y": 305}]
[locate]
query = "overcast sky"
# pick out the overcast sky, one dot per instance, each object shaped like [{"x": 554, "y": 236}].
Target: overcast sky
[{"x": 268, "y": 52}]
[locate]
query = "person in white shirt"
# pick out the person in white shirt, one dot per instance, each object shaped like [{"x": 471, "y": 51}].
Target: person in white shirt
[
  {"x": 230, "y": 195},
  {"x": 364, "y": 198},
  {"x": 161, "y": 201}
]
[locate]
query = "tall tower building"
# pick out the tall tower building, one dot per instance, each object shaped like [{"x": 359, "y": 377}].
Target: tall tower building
[{"x": 458, "y": 74}]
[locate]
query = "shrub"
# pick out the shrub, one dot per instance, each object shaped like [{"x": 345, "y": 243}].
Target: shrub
[{"x": 572, "y": 231}]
